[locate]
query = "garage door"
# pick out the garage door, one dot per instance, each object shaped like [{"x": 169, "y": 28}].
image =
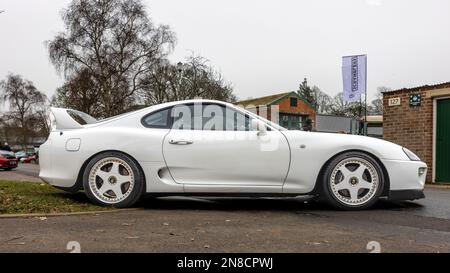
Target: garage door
[{"x": 443, "y": 141}]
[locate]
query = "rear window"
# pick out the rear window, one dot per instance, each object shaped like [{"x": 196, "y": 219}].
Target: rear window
[{"x": 158, "y": 119}]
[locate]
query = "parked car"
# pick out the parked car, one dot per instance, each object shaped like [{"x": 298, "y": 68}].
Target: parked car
[
  {"x": 31, "y": 158},
  {"x": 20, "y": 155},
  {"x": 7, "y": 160},
  {"x": 206, "y": 147}
]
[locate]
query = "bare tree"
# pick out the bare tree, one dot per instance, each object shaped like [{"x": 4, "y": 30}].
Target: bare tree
[
  {"x": 41, "y": 120},
  {"x": 376, "y": 107},
  {"x": 194, "y": 78},
  {"x": 23, "y": 100},
  {"x": 80, "y": 92},
  {"x": 4, "y": 130},
  {"x": 339, "y": 106},
  {"x": 323, "y": 102},
  {"x": 342, "y": 108},
  {"x": 318, "y": 99},
  {"x": 116, "y": 42}
]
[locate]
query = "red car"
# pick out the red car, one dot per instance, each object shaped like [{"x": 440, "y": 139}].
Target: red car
[
  {"x": 29, "y": 159},
  {"x": 7, "y": 160}
]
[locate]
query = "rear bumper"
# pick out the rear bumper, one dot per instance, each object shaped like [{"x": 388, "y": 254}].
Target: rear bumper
[
  {"x": 406, "y": 195},
  {"x": 59, "y": 169}
]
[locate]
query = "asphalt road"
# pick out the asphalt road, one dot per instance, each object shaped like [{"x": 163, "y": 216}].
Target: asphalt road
[
  {"x": 23, "y": 172},
  {"x": 240, "y": 225}
]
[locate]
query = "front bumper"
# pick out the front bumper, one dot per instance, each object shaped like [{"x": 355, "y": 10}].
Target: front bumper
[
  {"x": 406, "y": 195},
  {"x": 404, "y": 175}
]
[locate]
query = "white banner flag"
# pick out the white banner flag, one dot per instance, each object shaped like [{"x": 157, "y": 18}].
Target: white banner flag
[{"x": 354, "y": 74}]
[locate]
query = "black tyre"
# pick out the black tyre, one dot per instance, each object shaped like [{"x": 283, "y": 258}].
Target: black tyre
[
  {"x": 113, "y": 179},
  {"x": 352, "y": 181}
]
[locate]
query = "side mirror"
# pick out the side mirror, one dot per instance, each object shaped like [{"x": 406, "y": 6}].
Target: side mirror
[{"x": 259, "y": 126}]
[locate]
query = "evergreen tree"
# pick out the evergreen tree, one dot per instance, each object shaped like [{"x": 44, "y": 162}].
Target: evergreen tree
[{"x": 307, "y": 92}]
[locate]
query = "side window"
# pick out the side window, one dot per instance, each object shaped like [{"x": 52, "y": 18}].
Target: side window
[
  {"x": 220, "y": 118},
  {"x": 237, "y": 121},
  {"x": 183, "y": 117},
  {"x": 208, "y": 117},
  {"x": 213, "y": 117},
  {"x": 160, "y": 119}
]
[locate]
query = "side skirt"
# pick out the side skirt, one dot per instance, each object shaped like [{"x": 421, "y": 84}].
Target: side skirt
[
  {"x": 406, "y": 195},
  {"x": 225, "y": 194}
]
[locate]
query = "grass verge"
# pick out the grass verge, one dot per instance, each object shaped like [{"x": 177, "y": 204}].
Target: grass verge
[{"x": 26, "y": 197}]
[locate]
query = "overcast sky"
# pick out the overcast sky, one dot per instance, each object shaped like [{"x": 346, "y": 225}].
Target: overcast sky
[{"x": 264, "y": 47}]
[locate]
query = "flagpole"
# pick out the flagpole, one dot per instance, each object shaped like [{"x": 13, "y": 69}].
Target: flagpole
[
  {"x": 365, "y": 98},
  {"x": 360, "y": 114}
]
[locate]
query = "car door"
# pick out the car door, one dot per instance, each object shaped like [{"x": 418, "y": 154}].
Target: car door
[{"x": 215, "y": 145}]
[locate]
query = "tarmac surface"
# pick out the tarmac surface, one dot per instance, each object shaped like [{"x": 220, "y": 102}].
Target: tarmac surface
[
  {"x": 180, "y": 224},
  {"x": 23, "y": 172}
]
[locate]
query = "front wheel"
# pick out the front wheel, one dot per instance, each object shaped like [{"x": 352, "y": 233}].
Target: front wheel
[
  {"x": 353, "y": 181},
  {"x": 113, "y": 179}
]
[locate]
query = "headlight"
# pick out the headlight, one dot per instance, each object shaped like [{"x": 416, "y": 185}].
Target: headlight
[
  {"x": 411, "y": 155},
  {"x": 422, "y": 171}
]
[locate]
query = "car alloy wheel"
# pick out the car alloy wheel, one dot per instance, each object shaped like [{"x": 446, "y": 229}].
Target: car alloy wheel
[
  {"x": 111, "y": 180},
  {"x": 354, "y": 181}
]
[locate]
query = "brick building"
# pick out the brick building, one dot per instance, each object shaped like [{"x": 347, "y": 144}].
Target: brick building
[
  {"x": 294, "y": 111},
  {"x": 419, "y": 119}
]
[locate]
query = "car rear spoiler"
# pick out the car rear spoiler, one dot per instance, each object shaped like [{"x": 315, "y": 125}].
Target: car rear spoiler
[{"x": 63, "y": 118}]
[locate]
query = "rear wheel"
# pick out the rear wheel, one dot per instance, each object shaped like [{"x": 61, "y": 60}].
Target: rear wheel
[
  {"x": 113, "y": 179},
  {"x": 352, "y": 181}
]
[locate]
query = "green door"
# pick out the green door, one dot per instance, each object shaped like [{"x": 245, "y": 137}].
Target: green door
[{"x": 443, "y": 141}]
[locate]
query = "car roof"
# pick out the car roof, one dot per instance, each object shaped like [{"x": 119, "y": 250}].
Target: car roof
[
  {"x": 173, "y": 103},
  {"x": 154, "y": 108}
]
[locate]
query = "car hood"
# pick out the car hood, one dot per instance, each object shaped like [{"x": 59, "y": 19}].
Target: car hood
[{"x": 342, "y": 142}]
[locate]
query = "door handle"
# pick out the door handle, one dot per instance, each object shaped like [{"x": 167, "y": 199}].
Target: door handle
[{"x": 181, "y": 142}]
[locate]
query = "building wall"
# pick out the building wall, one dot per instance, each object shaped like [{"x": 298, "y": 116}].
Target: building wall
[
  {"x": 302, "y": 108},
  {"x": 285, "y": 107},
  {"x": 411, "y": 127}
]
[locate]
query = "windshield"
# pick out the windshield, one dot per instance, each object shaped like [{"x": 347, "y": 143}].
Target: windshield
[{"x": 272, "y": 124}]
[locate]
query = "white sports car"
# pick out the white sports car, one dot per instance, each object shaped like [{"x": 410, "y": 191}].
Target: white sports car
[{"x": 213, "y": 148}]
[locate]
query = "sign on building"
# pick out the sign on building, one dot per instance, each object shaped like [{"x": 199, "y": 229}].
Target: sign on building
[
  {"x": 415, "y": 100},
  {"x": 394, "y": 101}
]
